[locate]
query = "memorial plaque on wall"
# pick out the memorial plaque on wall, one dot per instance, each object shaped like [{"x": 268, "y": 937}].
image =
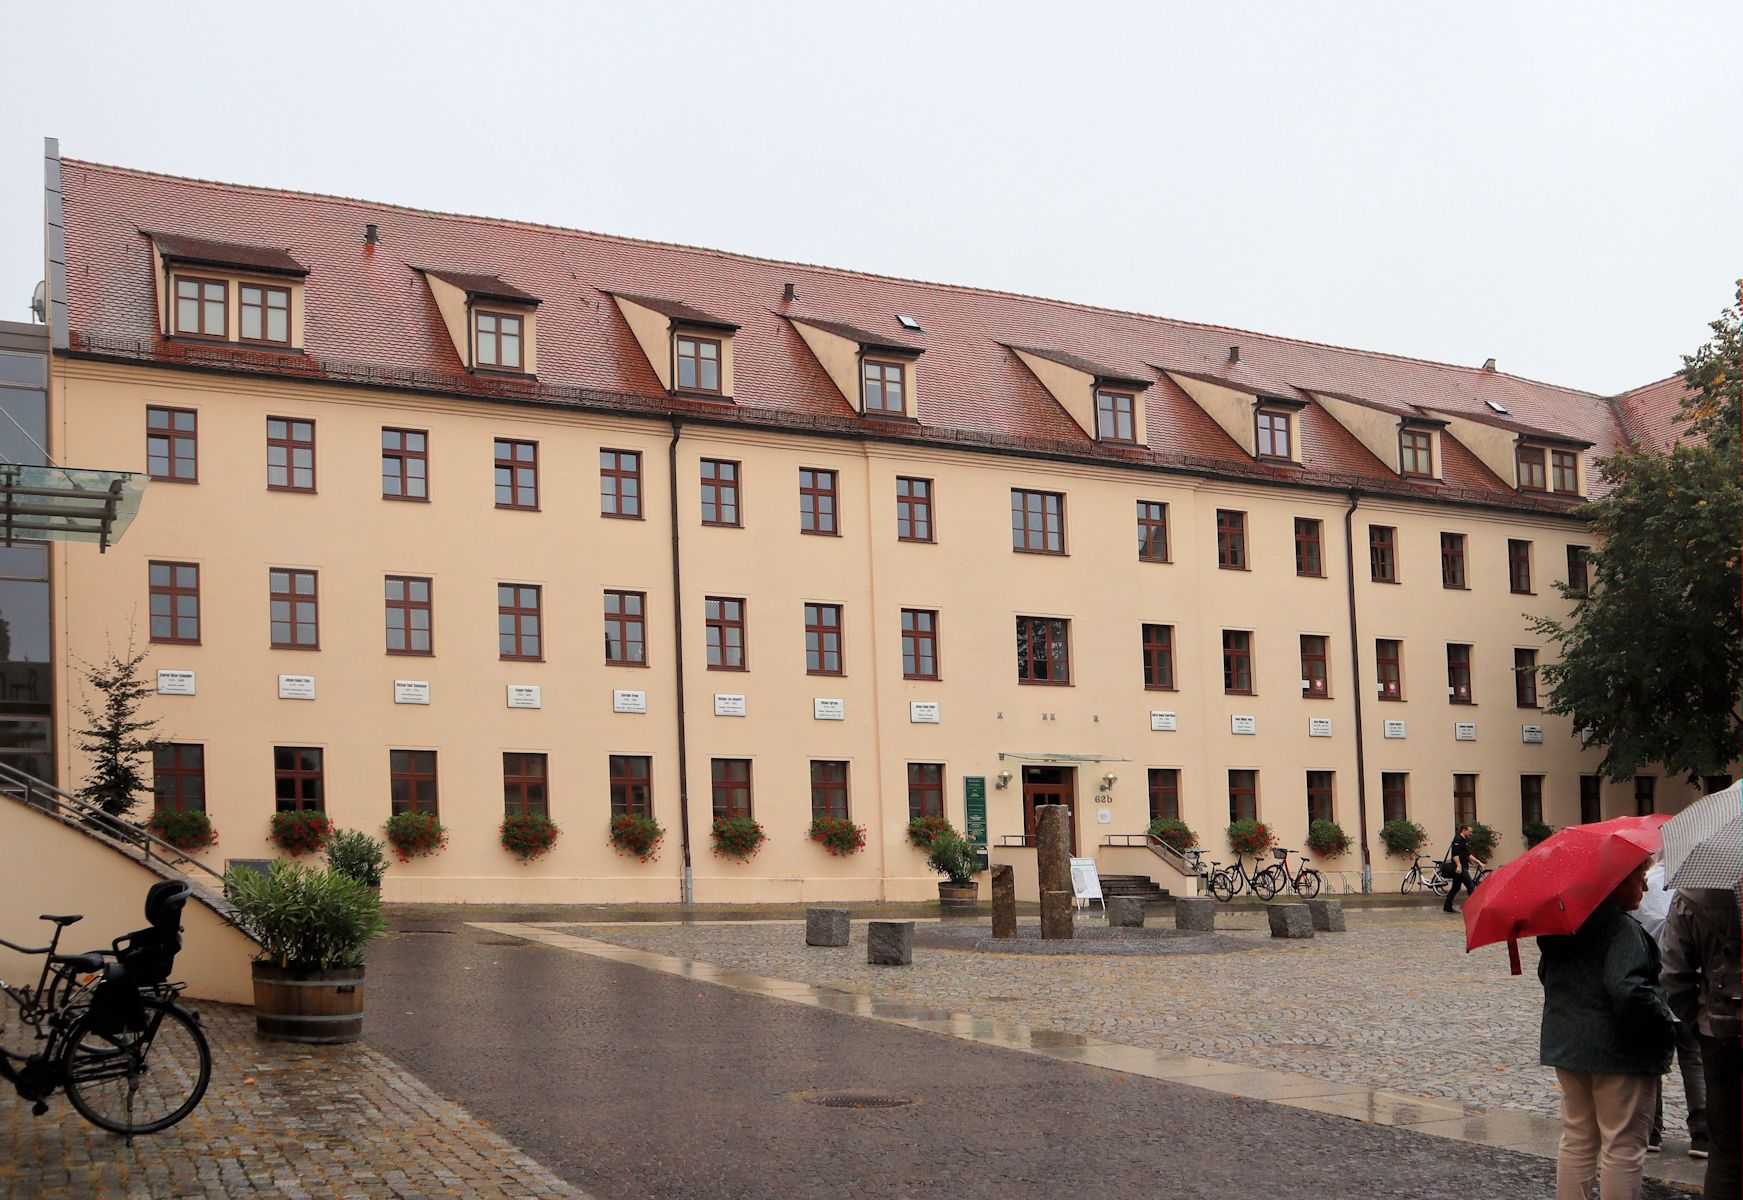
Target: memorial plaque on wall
[
  {"x": 175, "y": 683},
  {"x": 1319, "y": 727},
  {"x": 629, "y": 702},
  {"x": 728, "y": 706},
  {"x": 411, "y": 691},
  {"x": 1465, "y": 731},
  {"x": 1163, "y": 722},
  {"x": 525, "y": 695},
  {"x": 923, "y": 712},
  {"x": 823, "y": 709},
  {"x": 1245, "y": 726},
  {"x": 1393, "y": 729},
  {"x": 296, "y": 687},
  {"x": 1531, "y": 733}
]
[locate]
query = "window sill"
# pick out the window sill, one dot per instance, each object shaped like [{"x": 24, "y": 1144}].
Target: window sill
[
  {"x": 518, "y": 507},
  {"x": 622, "y": 516},
  {"x": 693, "y": 394},
  {"x": 1391, "y": 699},
  {"x": 1157, "y": 687},
  {"x": 305, "y": 649},
  {"x": 1310, "y": 575},
  {"x": 1228, "y": 567},
  {"x": 729, "y": 670},
  {"x": 1393, "y": 582},
  {"x": 626, "y": 662},
  {"x": 1160, "y": 561},
  {"x": 923, "y": 678},
  {"x": 406, "y": 499},
  {"x": 522, "y": 658},
  {"x": 826, "y": 674},
  {"x": 1042, "y": 553},
  {"x": 1317, "y": 696},
  {"x": 722, "y": 524},
  {"x": 168, "y": 479},
  {"x": 410, "y": 653},
  {"x": 1455, "y": 587},
  {"x": 820, "y": 533},
  {"x": 157, "y": 641},
  {"x": 914, "y": 541},
  {"x": 295, "y": 491},
  {"x": 1043, "y": 683}
]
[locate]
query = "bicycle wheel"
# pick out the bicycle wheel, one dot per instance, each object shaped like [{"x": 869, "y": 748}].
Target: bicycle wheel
[
  {"x": 1412, "y": 876},
  {"x": 1266, "y": 883},
  {"x": 1220, "y": 886},
  {"x": 140, "y": 1082},
  {"x": 1307, "y": 883},
  {"x": 1439, "y": 884}
]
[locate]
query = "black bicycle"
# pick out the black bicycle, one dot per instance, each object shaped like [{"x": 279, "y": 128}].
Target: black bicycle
[
  {"x": 1228, "y": 882},
  {"x": 108, "y": 1030},
  {"x": 1306, "y": 881}
]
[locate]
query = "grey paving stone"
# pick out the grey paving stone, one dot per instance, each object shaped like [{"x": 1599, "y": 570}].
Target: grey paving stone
[
  {"x": 1196, "y": 913},
  {"x": 1327, "y": 914},
  {"x": 889, "y": 943},
  {"x": 826, "y": 926},
  {"x": 1125, "y": 912},
  {"x": 1289, "y": 920}
]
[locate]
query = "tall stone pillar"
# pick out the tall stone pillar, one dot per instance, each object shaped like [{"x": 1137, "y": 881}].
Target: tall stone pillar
[
  {"x": 1004, "y": 901},
  {"x": 1053, "y": 866}
]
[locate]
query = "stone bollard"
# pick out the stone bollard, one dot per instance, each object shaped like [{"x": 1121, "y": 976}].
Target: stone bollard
[
  {"x": 889, "y": 943},
  {"x": 1289, "y": 920},
  {"x": 1004, "y": 901},
  {"x": 1328, "y": 915},
  {"x": 1195, "y": 913},
  {"x": 1125, "y": 912},
  {"x": 826, "y": 927},
  {"x": 1057, "y": 916}
]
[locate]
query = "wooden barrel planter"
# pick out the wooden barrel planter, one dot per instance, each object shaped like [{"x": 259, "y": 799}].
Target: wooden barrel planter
[
  {"x": 958, "y": 895},
  {"x": 313, "y": 1007}
]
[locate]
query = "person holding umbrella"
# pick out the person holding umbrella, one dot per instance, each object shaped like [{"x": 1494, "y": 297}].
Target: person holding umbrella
[{"x": 1703, "y": 945}]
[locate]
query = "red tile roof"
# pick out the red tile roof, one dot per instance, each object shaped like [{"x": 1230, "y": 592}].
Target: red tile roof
[
  {"x": 490, "y": 287},
  {"x": 371, "y": 321},
  {"x": 684, "y": 314},
  {"x": 853, "y": 333},
  {"x": 1652, "y": 414},
  {"x": 1079, "y": 363},
  {"x": 207, "y": 252}
]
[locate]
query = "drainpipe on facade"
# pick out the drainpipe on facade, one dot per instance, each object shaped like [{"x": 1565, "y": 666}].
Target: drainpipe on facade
[
  {"x": 688, "y": 891},
  {"x": 1356, "y": 680}
]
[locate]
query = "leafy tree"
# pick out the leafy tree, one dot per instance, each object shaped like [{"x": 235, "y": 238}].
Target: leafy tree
[
  {"x": 1651, "y": 661},
  {"x": 114, "y": 736}
]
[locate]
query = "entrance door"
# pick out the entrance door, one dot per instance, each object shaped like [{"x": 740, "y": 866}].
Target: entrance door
[{"x": 1049, "y": 785}]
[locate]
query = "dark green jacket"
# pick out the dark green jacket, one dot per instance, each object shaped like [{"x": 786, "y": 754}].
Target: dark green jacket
[{"x": 1603, "y": 1010}]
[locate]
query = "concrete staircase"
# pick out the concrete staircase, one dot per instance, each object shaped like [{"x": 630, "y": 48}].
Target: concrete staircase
[{"x": 1141, "y": 887}]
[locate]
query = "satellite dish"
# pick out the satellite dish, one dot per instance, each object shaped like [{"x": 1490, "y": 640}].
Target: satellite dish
[{"x": 39, "y": 302}]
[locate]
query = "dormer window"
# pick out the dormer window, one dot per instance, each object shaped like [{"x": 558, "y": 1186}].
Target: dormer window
[
  {"x": 264, "y": 312},
  {"x": 494, "y": 324},
  {"x": 499, "y": 339},
  {"x": 885, "y": 387},
  {"x": 1114, "y": 421},
  {"x": 1273, "y": 434},
  {"x": 1564, "y": 472},
  {"x": 202, "y": 307},
  {"x": 1531, "y": 473},
  {"x": 229, "y": 292},
  {"x": 698, "y": 360},
  {"x": 1416, "y": 453}
]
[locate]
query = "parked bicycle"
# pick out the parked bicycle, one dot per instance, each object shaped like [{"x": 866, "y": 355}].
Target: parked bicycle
[
  {"x": 107, "y": 1026},
  {"x": 1228, "y": 882},
  {"x": 1423, "y": 875},
  {"x": 1306, "y": 881}
]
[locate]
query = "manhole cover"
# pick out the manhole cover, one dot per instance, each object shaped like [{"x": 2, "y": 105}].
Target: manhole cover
[{"x": 856, "y": 1099}]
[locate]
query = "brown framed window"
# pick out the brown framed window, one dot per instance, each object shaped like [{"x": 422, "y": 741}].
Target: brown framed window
[
  {"x": 409, "y": 615},
  {"x": 1157, "y": 647},
  {"x": 1519, "y": 566},
  {"x": 1525, "y": 678},
  {"x": 1320, "y": 802},
  {"x": 632, "y": 785},
  {"x": 263, "y": 313},
  {"x": 1383, "y": 553},
  {"x": 1564, "y": 472},
  {"x": 172, "y": 444},
  {"x": 698, "y": 361},
  {"x": 1591, "y": 799},
  {"x": 499, "y": 340},
  {"x": 294, "y": 610},
  {"x": 405, "y": 464},
  {"x": 1152, "y": 531},
  {"x": 914, "y": 510},
  {"x": 526, "y": 783},
  {"x": 1458, "y": 673},
  {"x": 1309, "y": 550},
  {"x": 411, "y": 780},
  {"x": 1530, "y": 462},
  {"x": 620, "y": 483},
  {"x": 1416, "y": 453},
  {"x": 1043, "y": 650},
  {"x": 517, "y": 474},
  {"x": 1578, "y": 581},
  {"x": 519, "y": 631},
  {"x": 626, "y": 629},
  {"x": 178, "y": 776},
  {"x": 1243, "y": 795},
  {"x": 1273, "y": 431},
  {"x": 1315, "y": 667},
  {"x": 1231, "y": 539},
  {"x": 1645, "y": 795},
  {"x": 298, "y": 779},
  {"x": 1237, "y": 662},
  {"x": 1164, "y": 788},
  {"x": 828, "y": 789},
  {"x": 817, "y": 501},
  {"x": 175, "y": 602},
  {"x": 1037, "y": 522},
  {"x": 884, "y": 390},
  {"x": 1531, "y": 799},
  {"x": 1394, "y": 796},
  {"x": 202, "y": 307},
  {"x": 720, "y": 493},
  {"x": 823, "y": 639},
  {"x": 919, "y": 643},
  {"x": 1114, "y": 421},
  {"x": 730, "y": 778},
  {"x": 1452, "y": 560},
  {"x": 1464, "y": 800},
  {"x": 725, "y": 627},
  {"x": 1389, "y": 668},
  {"x": 925, "y": 790},
  {"x": 290, "y": 455}
]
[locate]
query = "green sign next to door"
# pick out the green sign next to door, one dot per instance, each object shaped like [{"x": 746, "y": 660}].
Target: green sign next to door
[{"x": 974, "y": 815}]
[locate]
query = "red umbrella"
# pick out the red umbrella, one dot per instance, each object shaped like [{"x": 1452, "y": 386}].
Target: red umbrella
[{"x": 1554, "y": 886}]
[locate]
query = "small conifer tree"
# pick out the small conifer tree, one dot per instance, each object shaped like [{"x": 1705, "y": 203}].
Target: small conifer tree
[{"x": 114, "y": 735}]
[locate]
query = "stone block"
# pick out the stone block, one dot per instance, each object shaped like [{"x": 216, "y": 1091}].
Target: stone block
[
  {"x": 826, "y": 927},
  {"x": 1125, "y": 912},
  {"x": 1004, "y": 901},
  {"x": 1058, "y": 915},
  {"x": 1195, "y": 913},
  {"x": 1289, "y": 920},
  {"x": 889, "y": 943},
  {"x": 1328, "y": 915}
]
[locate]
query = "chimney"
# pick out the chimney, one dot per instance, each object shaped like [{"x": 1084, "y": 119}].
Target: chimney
[
  {"x": 1234, "y": 354},
  {"x": 1488, "y": 364},
  {"x": 370, "y": 236},
  {"x": 789, "y": 293}
]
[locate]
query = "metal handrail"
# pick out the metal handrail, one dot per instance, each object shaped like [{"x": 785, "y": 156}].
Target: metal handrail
[
  {"x": 28, "y": 789},
  {"x": 1156, "y": 846}
]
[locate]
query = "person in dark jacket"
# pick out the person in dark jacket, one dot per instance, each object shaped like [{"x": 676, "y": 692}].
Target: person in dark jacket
[
  {"x": 1459, "y": 855},
  {"x": 1703, "y": 982},
  {"x": 1608, "y": 1033}
]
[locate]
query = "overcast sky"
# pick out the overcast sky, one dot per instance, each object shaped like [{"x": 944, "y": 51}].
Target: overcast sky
[{"x": 1555, "y": 185}]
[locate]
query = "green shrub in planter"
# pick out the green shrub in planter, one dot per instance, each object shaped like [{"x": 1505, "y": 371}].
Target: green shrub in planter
[
  {"x": 922, "y": 830},
  {"x": 186, "y": 829},
  {"x": 528, "y": 835},
  {"x": 304, "y": 918},
  {"x": 1250, "y": 837},
  {"x": 302, "y": 831},
  {"x": 1328, "y": 839},
  {"x": 635, "y": 834},
  {"x": 1402, "y": 838},
  {"x": 737, "y": 837},
  {"x": 1483, "y": 841},
  {"x": 1172, "y": 831},
  {"x": 838, "y": 835},
  {"x": 1535, "y": 832},
  {"x": 353, "y": 852},
  {"x": 414, "y": 834},
  {"x": 954, "y": 858}
]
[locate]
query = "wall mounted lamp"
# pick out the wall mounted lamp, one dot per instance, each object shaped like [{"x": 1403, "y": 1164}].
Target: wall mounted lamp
[
  {"x": 1002, "y": 780},
  {"x": 1108, "y": 781}
]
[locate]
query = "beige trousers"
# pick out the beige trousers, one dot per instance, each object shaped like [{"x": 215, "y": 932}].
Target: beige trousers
[{"x": 1605, "y": 1121}]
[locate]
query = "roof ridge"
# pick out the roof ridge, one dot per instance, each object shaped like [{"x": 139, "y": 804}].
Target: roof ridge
[
  {"x": 222, "y": 185},
  {"x": 1646, "y": 387}
]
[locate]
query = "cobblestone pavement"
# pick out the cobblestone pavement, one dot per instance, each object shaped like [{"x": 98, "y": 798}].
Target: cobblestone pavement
[
  {"x": 1394, "y": 1003},
  {"x": 298, "y": 1122}
]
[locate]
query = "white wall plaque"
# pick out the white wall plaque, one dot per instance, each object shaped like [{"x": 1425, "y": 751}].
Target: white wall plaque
[
  {"x": 1393, "y": 729},
  {"x": 923, "y": 712},
  {"x": 525, "y": 695},
  {"x": 1465, "y": 731},
  {"x": 296, "y": 687},
  {"x": 629, "y": 702},
  {"x": 1104, "y": 816},
  {"x": 1531, "y": 733},
  {"x": 175, "y": 683},
  {"x": 411, "y": 691},
  {"x": 823, "y": 709},
  {"x": 1244, "y": 725},
  {"x": 728, "y": 706},
  {"x": 1319, "y": 727},
  {"x": 1163, "y": 722}
]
